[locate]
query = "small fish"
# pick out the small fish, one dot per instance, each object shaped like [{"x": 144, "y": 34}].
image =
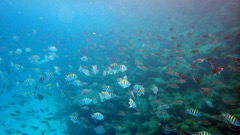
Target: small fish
[
  {"x": 84, "y": 58},
  {"x": 71, "y": 77},
  {"x": 182, "y": 81},
  {"x": 86, "y": 91},
  {"x": 49, "y": 74},
  {"x": 76, "y": 83},
  {"x": 199, "y": 60},
  {"x": 123, "y": 82},
  {"x": 8, "y": 132},
  {"x": 40, "y": 97},
  {"x": 209, "y": 103},
  {"x": 163, "y": 114},
  {"x": 46, "y": 109},
  {"x": 18, "y": 131},
  {"x": 167, "y": 129},
  {"x": 48, "y": 118},
  {"x": 105, "y": 95},
  {"x": 41, "y": 110},
  {"x": 41, "y": 79},
  {"x": 231, "y": 119},
  {"x": 16, "y": 118},
  {"x": 139, "y": 89},
  {"x": 53, "y": 130},
  {"x": 122, "y": 68},
  {"x": 194, "y": 51},
  {"x": 132, "y": 94},
  {"x": 193, "y": 66},
  {"x": 23, "y": 125},
  {"x": 43, "y": 132},
  {"x": 74, "y": 117},
  {"x": 216, "y": 70},
  {"x": 205, "y": 122},
  {"x": 206, "y": 92},
  {"x": 114, "y": 66},
  {"x": 196, "y": 80},
  {"x": 53, "y": 48},
  {"x": 85, "y": 107},
  {"x": 4, "y": 125},
  {"x": 177, "y": 102},
  {"x": 12, "y": 103},
  {"x": 107, "y": 88},
  {"x": 202, "y": 133},
  {"x": 12, "y": 114},
  {"x": 97, "y": 116},
  {"x": 65, "y": 132},
  {"x": 132, "y": 104},
  {"x": 86, "y": 72},
  {"x": 95, "y": 69},
  {"x": 144, "y": 68},
  {"x": 85, "y": 101},
  {"x": 193, "y": 112}
]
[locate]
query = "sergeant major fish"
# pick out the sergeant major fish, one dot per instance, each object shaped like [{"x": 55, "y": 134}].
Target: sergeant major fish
[
  {"x": 132, "y": 104},
  {"x": 231, "y": 119},
  {"x": 97, "y": 116},
  {"x": 123, "y": 82},
  {"x": 85, "y": 101},
  {"x": 193, "y": 112}
]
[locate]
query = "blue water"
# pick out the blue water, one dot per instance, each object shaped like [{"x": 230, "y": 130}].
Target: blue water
[{"x": 185, "y": 55}]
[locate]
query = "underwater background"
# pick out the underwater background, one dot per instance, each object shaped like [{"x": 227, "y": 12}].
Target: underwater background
[{"x": 119, "y": 67}]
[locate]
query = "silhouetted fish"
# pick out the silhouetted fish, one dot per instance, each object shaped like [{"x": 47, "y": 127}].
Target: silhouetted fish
[
  {"x": 40, "y": 97},
  {"x": 43, "y": 133},
  {"x": 3, "y": 125},
  {"x": 8, "y": 132},
  {"x": 53, "y": 130},
  {"x": 16, "y": 118},
  {"x": 18, "y": 131},
  {"x": 34, "y": 128},
  {"x": 18, "y": 112},
  {"x": 23, "y": 125},
  {"x": 41, "y": 110},
  {"x": 65, "y": 132},
  {"x": 12, "y": 114},
  {"x": 41, "y": 79}
]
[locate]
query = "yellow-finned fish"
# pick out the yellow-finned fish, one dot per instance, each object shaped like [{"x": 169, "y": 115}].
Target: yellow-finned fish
[
  {"x": 124, "y": 82},
  {"x": 132, "y": 104},
  {"x": 231, "y": 119},
  {"x": 193, "y": 112},
  {"x": 202, "y": 133}
]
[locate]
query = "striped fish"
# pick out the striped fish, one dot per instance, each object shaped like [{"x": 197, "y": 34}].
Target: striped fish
[
  {"x": 85, "y": 101},
  {"x": 104, "y": 95},
  {"x": 231, "y": 119},
  {"x": 114, "y": 66},
  {"x": 122, "y": 68},
  {"x": 139, "y": 89},
  {"x": 123, "y": 82},
  {"x": 74, "y": 117},
  {"x": 202, "y": 133},
  {"x": 107, "y": 88},
  {"x": 193, "y": 112},
  {"x": 97, "y": 116},
  {"x": 132, "y": 104},
  {"x": 49, "y": 74}
]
